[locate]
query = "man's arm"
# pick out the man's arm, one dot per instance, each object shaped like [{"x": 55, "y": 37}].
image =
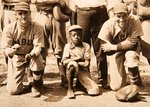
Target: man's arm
[
  {"x": 132, "y": 39},
  {"x": 66, "y": 56},
  {"x": 87, "y": 56},
  {"x": 38, "y": 41},
  {"x": 125, "y": 45}
]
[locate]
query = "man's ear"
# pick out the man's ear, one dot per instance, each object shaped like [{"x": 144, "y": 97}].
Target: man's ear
[
  {"x": 69, "y": 34},
  {"x": 29, "y": 12}
]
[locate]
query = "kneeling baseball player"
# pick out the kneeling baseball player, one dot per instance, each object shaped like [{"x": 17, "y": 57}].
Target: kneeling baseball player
[{"x": 22, "y": 42}]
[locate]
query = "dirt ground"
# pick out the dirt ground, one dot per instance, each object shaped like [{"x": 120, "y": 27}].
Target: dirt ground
[{"x": 54, "y": 95}]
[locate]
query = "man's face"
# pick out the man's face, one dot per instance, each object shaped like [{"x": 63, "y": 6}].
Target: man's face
[
  {"x": 75, "y": 36},
  {"x": 23, "y": 16},
  {"x": 121, "y": 19}
]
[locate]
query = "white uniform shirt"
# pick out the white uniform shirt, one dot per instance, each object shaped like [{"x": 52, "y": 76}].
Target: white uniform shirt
[
  {"x": 31, "y": 40},
  {"x": 90, "y": 3}
]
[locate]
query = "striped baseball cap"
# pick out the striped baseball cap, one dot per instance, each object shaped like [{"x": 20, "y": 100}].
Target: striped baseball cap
[
  {"x": 120, "y": 7},
  {"x": 22, "y": 6}
]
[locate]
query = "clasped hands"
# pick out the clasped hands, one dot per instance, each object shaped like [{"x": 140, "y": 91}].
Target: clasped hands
[{"x": 81, "y": 61}]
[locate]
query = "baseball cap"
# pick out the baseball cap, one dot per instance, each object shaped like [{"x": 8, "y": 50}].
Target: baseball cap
[
  {"x": 74, "y": 27},
  {"x": 120, "y": 7},
  {"x": 22, "y": 6}
]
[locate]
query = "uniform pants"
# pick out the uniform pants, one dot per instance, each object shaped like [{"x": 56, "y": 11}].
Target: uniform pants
[
  {"x": 8, "y": 17},
  {"x": 55, "y": 32},
  {"x": 117, "y": 64},
  {"x": 84, "y": 77},
  {"x": 16, "y": 73},
  {"x": 86, "y": 80},
  {"x": 91, "y": 22}
]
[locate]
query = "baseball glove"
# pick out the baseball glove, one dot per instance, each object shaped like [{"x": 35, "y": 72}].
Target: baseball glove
[{"x": 128, "y": 93}]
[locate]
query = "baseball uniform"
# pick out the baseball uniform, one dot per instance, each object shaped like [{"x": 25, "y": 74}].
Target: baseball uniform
[
  {"x": 127, "y": 42},
  {"x": 30, "y": 40},
  {"x": 54, "y": 28},
  {"x": 82, "y": 73}
]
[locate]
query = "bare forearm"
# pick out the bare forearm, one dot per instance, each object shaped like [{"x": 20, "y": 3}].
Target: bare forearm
[{"x": 127, "y": 44}]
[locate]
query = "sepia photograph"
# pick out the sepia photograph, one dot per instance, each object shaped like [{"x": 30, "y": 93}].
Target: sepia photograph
[{"x": 74, "y": 53}]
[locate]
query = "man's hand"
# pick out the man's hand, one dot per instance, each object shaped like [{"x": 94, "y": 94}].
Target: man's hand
[
  {"x": 76, "y": 58},
  {"x": 10, "y": 52},
  {"x": 107, "y": 47},
  {"x": 28, "y": 57},
  {"x": 84, "y": 64}
]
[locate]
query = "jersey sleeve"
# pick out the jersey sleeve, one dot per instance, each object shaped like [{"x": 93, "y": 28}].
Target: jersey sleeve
[
  {"x": 105, "y": 32},
  {"x": 7, "y": 39},
  {"x": 38, "y": 41}
]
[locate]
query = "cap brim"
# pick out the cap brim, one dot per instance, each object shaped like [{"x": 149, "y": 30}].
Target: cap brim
[
  {"x": 23, "y": 9},
  {"x": 121, "y": 12}
]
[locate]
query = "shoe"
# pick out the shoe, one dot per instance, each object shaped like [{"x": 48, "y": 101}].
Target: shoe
[
  {"x": 35, "y": 92},
  {"x": 70, "y": 94},
  {"x": 104, "y": 84},
  {"x": 25, "y": 89}
]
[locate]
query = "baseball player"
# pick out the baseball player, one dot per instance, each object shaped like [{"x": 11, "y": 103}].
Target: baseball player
[
  {"x": 52, "y": 15},
  {"x": 8, "y": 16},
  {"x": 90, "y": 16},
  {"x": 76, "y": 58},
  {"x": 121, "y": 35},
  {"x": 22, "y": 42}
]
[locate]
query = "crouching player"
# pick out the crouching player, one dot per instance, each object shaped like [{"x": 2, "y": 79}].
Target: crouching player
[
  {"x": 76, "y": 58},
  {"x": 22, "y": 42}
]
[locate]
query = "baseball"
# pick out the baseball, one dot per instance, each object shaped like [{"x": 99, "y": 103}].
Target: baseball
[{"x": 16, "y": 46}]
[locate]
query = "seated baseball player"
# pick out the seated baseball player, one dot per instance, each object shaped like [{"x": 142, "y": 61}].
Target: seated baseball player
[
  {"x": 76, "y": 58},
  {"x": 22, "y": 42}
]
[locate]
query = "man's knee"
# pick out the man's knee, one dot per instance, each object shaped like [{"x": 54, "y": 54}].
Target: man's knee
[
  {"x": 73, "y": 64},
  {"x": 132, "y": 59},
  {"x": 115, "y": 87},
  {"x": 14, "y": 90},
  {"x": 71, "y": 68},
  {"x": 37, "y": 75},
  {"x": 94, "y": 91}
]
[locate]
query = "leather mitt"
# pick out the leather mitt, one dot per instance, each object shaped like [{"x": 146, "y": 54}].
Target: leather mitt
[{"x": 128, "y": 93}]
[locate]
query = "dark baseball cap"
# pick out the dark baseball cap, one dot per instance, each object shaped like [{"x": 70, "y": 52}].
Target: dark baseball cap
[
  {"x": 22, "y": 6},
  {"x": 120, "y": 8}
]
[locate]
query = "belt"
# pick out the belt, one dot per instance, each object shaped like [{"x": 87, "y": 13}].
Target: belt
[
  {"x": 90, "y": 8},
  {"x": 9, "y": 7},
  {"x": 45, "y": 11}
]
